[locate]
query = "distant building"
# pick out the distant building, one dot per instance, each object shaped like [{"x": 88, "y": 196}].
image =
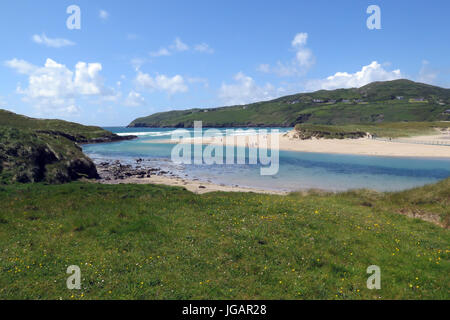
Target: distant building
[
  {"x": 399, "y": 97},
  {"x": 418, "y": 99},
  {"x": 317, "y": 100},
  {"x": 447, "y": 111},
  {"x": 345, "y": 101}
]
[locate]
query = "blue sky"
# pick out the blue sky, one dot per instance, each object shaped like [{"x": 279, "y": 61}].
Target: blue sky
[{"x": 135, "y": 58}]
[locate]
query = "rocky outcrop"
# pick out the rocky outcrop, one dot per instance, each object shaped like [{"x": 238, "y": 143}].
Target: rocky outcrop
[
  {"x": 41, "y": 157},
  {"x": 42, "y": 150},
  {"x": 114, "y": 170}
]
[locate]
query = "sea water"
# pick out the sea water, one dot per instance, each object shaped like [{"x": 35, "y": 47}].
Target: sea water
[{"x": 297, "y": 170}]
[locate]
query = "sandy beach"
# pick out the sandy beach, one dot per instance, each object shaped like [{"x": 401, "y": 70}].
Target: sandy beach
[
  {"x": 114, "y": 172},
  {"x": 405, "y": 147},
  {"x": 199, "y": 187}
]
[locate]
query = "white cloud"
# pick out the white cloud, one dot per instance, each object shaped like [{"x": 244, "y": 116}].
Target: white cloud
[
  {"x": 300, "y": 39},
  {"x": 54, "y": 88},
  {"x": 170, "y": 85},
  {"x": 103, "y": 14},
  {"x": 265, "y": 68},
  {"x": 195, "y": 80},
  {"x": 21, "y": 66},
  {"x": 304, "y": 59},
  {"x": 160, "y": 53},
  {"x": 49, "y": 42},
  {"x": 87, "y": 80},
  {"x": 179, "y": 45},
  {"x": 367, "y": 74},
  {"x": 245, "y": 90},
  {"x": 113, "y": 96},
  {"x": 427, "y": 74},
  {"x": 134, "y": 99},
  {"x": 204, "y": 47},
  {"x": 137, "y": 63}
]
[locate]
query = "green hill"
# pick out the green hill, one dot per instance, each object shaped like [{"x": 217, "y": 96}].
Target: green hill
[
  {"x": 389, "y": 101},
  {"x": 71, "y": 130},
  {"x": 33, "y": 150},
  {"x": 358, "y": 130}
]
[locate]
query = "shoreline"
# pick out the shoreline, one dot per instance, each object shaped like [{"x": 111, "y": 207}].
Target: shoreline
[
  {"x": 197, "y": 186},
  {"x": 140, "y": 171},
  {"x": 362, "y": 146},
  {"x": 114, "y": 172}
]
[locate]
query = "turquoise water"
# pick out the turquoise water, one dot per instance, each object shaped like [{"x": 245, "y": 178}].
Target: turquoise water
[{"x": 297, "y": 170}]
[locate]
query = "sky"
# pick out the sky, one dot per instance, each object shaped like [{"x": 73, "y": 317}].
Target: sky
[{"x": 134, "y": 58}]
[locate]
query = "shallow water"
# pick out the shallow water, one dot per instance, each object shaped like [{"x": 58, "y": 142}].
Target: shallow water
[{"x": 297, "y": 170}]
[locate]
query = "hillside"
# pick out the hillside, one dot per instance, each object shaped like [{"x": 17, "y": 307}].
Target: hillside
[
  {"x": 383, "y": 129},
  {"x": 34, "y": 150},
  {"x": 70, "y": 130},
  {"x": 389, "y": 101}
]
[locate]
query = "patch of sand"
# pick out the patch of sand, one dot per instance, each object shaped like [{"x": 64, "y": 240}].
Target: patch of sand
[
  {"x": 195, "y": 186},
  {"x": 362, "y": 146}
]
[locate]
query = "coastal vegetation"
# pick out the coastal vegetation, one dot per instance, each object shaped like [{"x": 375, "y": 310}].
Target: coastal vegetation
[
  {"x": 34, "y": 150},
  {"x": 73, "y": 131},
  {"x": 377, "y": 102},
  {"x": 354, "y": 131},
  {"x": 158, "y": 242}
]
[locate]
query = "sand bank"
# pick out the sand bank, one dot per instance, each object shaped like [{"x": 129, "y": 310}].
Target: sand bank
[
  {"x": 363, "y": 146},
  {"x": 195, "y": 186}
]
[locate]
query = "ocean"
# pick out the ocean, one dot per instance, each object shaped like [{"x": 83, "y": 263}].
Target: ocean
[{"x": 297, "y": 170}]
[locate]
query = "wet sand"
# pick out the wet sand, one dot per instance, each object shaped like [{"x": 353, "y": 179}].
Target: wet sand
[{"x": 198, "y": 187}]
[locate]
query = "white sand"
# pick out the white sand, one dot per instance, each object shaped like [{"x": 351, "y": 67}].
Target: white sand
[
  {"x": 363, "y": 146},
  {"x": 191, "y": 185}
]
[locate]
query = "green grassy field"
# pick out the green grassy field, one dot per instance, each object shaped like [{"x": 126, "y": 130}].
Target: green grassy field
[
  {"x": 390, "y": 129},
  {"x": 157, "y": 242},
  {"x": 373, "y": 103}
]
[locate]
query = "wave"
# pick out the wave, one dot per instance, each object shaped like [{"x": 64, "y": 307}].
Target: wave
[
  {"x": 149, "y": 134},
  {"x": 221, "y": 133}
]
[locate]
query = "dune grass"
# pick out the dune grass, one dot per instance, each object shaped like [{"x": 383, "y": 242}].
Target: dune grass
[
  {"x": 390, "y": 129},
  {"x": 157, "y": 242}
]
